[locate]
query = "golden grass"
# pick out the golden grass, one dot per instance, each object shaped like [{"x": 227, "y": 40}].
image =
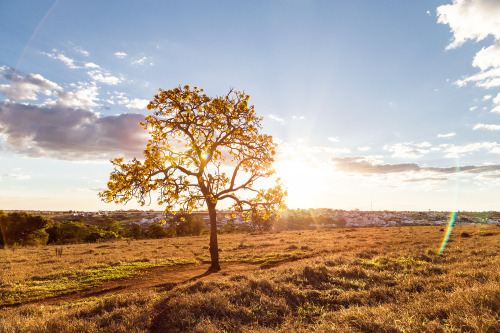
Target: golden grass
[{"x": 340, "y": 280}]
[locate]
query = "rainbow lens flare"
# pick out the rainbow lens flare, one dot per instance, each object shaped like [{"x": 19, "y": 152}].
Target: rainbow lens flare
[
  {"x": 449, "y": 228},
  {"x": 453, "y": 215}
]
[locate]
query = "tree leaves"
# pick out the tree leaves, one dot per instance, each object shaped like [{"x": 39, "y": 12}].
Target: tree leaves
[{"x": 201, "y": 150}]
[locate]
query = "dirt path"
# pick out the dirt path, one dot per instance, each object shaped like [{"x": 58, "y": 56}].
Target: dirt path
[{"x": 161, "y": 278}]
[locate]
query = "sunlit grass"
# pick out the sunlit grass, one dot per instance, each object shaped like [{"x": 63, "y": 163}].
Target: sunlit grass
[{"x": 340, "y": 280}]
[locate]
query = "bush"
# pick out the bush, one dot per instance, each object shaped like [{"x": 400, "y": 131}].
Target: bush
[
  {"x": 135, "y": 231},
  {"x": 61, "y": 231},
  {"x": 156, "y": 231}
]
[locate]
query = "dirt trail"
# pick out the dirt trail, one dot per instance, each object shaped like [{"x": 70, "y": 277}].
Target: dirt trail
[{"x": 161, "y": 278}]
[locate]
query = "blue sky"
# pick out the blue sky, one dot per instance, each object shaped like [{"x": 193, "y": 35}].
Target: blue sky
[{"x": 392, "y": 104}]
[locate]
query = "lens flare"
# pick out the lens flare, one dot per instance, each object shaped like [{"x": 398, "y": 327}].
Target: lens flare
[
  {"x": 453, "y": 215},
  {"x": 205, "y": 156},
  {"x": 451, "y": 222}
]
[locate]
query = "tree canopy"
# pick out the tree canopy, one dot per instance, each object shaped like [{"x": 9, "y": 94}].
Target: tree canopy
[
  {"x": 22, "y": 228},
  {"x": 201, "y": 150}
]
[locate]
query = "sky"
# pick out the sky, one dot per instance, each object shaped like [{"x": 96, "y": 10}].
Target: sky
[{"x": 383, "y": 105}]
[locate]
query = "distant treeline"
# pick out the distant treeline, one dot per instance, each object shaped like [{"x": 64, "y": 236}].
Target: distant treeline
[{"x": 21, "y": 228}]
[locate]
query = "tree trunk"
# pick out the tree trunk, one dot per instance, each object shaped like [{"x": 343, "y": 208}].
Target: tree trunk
[{"x": 214, "y": 247}]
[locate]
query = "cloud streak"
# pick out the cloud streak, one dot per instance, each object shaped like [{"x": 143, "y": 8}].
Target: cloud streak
[
  {"x": 408, "y": 149},
  {"x": 447, "y": 135},
  {"x": 276, "y": 118},
  {"x": 365, "y": 166},
  {"x": 103, "y": 76},
  {"x": 489, "y": 127}
]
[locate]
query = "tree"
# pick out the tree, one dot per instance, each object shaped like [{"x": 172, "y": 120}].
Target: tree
[
  {"x": 135, "y": 231},
  {"x": 258, "y": 223},
  {"x": 62, "y": 231},
  {"x": 201, "y": 151},
  {"x": 156, "y": 231},
  {"x": 23, "y": 229},
  {"x": 3, "y": 220},
  {"x": 186, "y": 225}
]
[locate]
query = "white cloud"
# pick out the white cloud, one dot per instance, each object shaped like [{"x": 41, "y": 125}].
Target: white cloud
[
  {"x": 487, "y": 79},
  {"x": 364, "y": 148},
  {"x": 486, "y": 97},
  {"x": 488, "y": 57},
  {"x": 490, "y": 127},
  {"x": 27, "y": 87},
  {"x": 120, "y": 55},
  {"x": 140, "y": 61},
  {"x": 91, "y": 65},
  {"x": 298, "y": 117},
  {"x": 496, "y": 100},
  {"x": 470, "y": 20},
  {"x": 17, "y": 176},
  {"x": 409, "y": 150},
  {"x": 60, "y": 56},
  {"x": 447, "y": 135},
  {"x": 496, "y": 104},
  {"x": 366, "y": 166},
  {"x": 137, "y": 103},
  {"x": 83, "y": 97},
  {"x": 276, "y": 118},
  {"x": 96, "y": 73},
  {"x": 333, "y": 139},
  {"x": 424, "y": 144},
  {"x": 120, "y": 98},
  {"x": 78, "y": 49},
  {"x": 475, "y": 21},
  {"x": 104, "y": 77},
  {"x": 472, "y": 108},
  {"x": 456, "y": 151}
]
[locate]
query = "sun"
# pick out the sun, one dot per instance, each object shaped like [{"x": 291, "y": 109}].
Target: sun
[{"x": 302, "y": 181}]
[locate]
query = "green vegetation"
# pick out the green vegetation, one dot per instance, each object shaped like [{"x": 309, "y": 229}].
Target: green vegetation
[
  {"x": 185, "y": 225},
  {"x": 22, "y": 229}
]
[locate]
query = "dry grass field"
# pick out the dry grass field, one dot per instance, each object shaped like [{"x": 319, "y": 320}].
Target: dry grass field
[{"x": 339, "y": 280}]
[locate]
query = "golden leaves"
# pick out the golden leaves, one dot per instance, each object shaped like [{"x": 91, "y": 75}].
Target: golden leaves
[{"x": 191, "y": 135}]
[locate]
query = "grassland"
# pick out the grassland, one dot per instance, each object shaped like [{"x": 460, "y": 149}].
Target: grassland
[{"x": 339, "y": 280}]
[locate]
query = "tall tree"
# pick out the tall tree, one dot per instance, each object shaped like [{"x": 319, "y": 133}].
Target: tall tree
[{"x": 201, "y": 151}]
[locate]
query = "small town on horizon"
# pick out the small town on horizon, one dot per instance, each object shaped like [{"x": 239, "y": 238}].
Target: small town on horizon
[{"x": 319, "y": 217}]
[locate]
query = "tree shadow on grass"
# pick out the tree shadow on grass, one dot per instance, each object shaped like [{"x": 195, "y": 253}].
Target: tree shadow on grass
[
  {"x": 164, "y": 318},
  {"x": 171, "y": 285}
]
